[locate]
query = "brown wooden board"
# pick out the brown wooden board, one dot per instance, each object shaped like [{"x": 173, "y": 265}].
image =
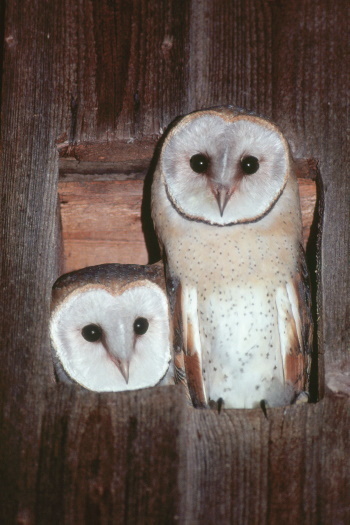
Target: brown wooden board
[
  {"x": 88, "y": 71},
  {"x": 101, "y": 222},
  {"x": 287, "y": 468}
]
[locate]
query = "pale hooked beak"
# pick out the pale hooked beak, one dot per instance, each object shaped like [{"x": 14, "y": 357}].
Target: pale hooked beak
[
  {"x": 123, "y": 366},
  {"x": 124, "y": 370},
  {"x": 222, "y": 195}
]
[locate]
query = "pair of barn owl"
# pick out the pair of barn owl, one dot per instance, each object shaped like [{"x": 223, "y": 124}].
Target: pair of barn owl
[{"x": 226, "y": 210}]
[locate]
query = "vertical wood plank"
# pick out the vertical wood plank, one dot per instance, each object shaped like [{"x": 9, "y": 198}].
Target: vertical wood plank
[
  {"x": 119, "y": 457},
  {"x": 49, "y": 97},
  {"x": 29, "y": 253},
  {"x": 126, "y": 72},
  {"x": 289, "y": 467},
  {"x": 231, "y": 54}
]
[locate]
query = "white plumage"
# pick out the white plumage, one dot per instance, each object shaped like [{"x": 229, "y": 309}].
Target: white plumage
[
  {"x": 110, "y": 327},
  {"x": 225, "y": 143}
]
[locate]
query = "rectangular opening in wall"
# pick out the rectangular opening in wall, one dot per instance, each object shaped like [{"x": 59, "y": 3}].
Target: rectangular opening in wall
[{"x": 104, "y": 195}]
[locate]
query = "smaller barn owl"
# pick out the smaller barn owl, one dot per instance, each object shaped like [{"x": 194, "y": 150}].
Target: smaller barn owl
[{"x": 110, "y": 327}]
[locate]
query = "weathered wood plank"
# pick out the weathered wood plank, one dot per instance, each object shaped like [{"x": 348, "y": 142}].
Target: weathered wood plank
[
  {"x": 125, "y": 69},
  {"x": 148, "y": 457},
  {"x": 287, "y": 468},
  {"x": 116, "y": 151},
  {"x": 110, "y": 458},
  {"x": 29, "y": 247},
  {"x": 48, "y": 91},
  {"x": 101, "y": 222},
  {"x": 233, "y": 63}
]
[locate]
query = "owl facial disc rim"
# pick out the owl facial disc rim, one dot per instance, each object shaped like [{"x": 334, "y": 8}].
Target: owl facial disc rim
[
  {"x": 274, "y": 173},
  {"x": 192, "y": 218}
]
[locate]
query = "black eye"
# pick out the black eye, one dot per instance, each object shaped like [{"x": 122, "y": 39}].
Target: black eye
[
  {"x": 92, "y": 332},
  {"x": 141, "y": 325},
  {"x": 250, "y": 165},
  {"x": 199, "y": 163}
]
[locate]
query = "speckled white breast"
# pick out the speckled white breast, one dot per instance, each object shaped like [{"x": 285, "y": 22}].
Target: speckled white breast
[{"x": 231, "y": 276}]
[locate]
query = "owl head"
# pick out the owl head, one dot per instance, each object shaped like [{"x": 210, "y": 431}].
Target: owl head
[
  {"x": 110, "y": 327},
  {"x": 224, "y": 166}
]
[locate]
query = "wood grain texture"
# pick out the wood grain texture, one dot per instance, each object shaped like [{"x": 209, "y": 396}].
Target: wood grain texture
[
  {"x": 148, "y": 457},
  {"x": 125, "y": 70},
  {"x": 232, "y": 63},
  {"x": 101, "y": 222},
  {"x": 116, "y": 458},
  {"x": 29, "y": 247},
  {"x": 93, "y": 71},
  {"x": 285, "y": 468}
]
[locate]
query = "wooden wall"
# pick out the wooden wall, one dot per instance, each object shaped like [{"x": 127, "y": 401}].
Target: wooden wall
[{"x": 91, "y": 72}]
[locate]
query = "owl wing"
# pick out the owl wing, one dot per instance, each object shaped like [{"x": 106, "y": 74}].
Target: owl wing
[
  {"x": 187, "y": 349},
  {"x": 192, "y": 347},
  {"x": 179, "y": 363},
  {"x": 295, "y": 327}
]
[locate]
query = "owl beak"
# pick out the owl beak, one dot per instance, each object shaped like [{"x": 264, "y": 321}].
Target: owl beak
[
  {"x": 124, "y": 370},
  {"x": 222, "y": 196},
  {"x": 123, "y": 366}
]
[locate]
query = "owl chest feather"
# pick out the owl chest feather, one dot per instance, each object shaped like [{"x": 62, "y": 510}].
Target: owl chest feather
[
  {"x": 215, "y": 257},
  {"x": 232, "y": 281}
]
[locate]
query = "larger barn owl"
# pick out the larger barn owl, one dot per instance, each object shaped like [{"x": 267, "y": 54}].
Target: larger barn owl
[
  {"x": 226, "y": 209},
  {"x": 110, "y": 327}
]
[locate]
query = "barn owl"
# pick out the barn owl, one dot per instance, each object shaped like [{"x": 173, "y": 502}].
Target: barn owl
[
  {"x": 226, "y": 210},
  {"x": 110, "y": 327}
]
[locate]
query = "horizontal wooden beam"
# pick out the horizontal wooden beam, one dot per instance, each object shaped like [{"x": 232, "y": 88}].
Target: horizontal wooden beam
[
  {"x": 110, "y": 160},
  {"x": 101, "y": 222}
]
